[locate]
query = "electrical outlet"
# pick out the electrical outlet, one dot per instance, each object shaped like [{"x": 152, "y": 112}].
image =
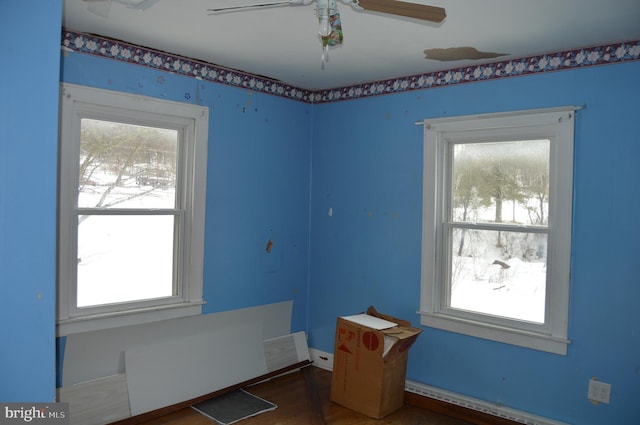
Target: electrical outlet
[{"x": 599, "y": 392}]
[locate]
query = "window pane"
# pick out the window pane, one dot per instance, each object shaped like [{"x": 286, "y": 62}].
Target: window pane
[
  {"x": 126, "y": 166},
  {"x": 499, "y": 273},
  {"x": 124, "y": 258},
  {"x": 501, "y": 182}
]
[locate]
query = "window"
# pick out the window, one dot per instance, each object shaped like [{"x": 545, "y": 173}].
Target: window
[
  {"x": 497, "y": 226},
  {"x": 131, "y": 209}
]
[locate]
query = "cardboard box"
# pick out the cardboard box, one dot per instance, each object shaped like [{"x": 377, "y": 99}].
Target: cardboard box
[{"x": 370, "y": 362}]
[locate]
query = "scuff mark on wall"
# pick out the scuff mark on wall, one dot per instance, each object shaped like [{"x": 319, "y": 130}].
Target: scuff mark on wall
[{"x": 271, "y": 261}]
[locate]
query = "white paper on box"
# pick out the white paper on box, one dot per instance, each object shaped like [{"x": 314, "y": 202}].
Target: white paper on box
[{"x": 370, "y": 321}]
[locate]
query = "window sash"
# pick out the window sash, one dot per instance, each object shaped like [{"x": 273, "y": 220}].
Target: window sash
[
  {"x": 180, "y": 294},
  {"x": 555, "y": 124},
  {"x": 443, "y": 290},
  {"x": 145, "y": 119}
]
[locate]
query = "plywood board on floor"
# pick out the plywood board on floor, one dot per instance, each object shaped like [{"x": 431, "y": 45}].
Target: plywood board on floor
[
  {"x": 182, "y": 368},
  {"x": 96, "y": 402},
  {"x": 286, "y": 350}
]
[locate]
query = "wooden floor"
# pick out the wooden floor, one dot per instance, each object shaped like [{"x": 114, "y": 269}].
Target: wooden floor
[{"x": 305, "y": 400}]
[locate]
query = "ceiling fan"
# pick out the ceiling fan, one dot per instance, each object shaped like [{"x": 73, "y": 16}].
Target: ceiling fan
[{"x": 330, "y": 25}]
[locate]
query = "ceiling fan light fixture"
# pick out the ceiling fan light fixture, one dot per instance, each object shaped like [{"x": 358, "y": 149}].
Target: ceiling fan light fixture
[
  {"x": 324, "y": 11},
  {"x": 325, "y": 27},
  {"x": 330, "y": 26}
]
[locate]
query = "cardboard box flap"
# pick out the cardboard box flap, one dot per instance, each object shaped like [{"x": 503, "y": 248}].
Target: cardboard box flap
[
  {"x": 401, "y": 333},
  {"x": 395, "y": 347},
  {"x": 371, "y": 311}
]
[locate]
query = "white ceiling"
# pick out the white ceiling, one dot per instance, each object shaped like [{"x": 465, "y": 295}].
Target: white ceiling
[{"x": 282, "y": 43}]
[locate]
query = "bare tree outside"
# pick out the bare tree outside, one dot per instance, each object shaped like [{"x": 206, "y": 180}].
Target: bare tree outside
[{"x": 118, "y": 155}]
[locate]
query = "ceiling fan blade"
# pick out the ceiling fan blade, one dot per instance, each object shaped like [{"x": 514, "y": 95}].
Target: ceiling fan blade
[
  {"x": 257, "y": 5},
  {"x": 401, "y": 8}
]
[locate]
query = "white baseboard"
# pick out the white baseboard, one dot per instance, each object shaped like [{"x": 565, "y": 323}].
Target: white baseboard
[
  {"x": 324, "y": 360},
  {"x": 321, "y": 359}
]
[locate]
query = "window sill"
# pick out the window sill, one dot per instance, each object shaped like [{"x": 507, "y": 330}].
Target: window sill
[
  {"x": 521, "y": 338},
  {"x": 125, "y": 318}
]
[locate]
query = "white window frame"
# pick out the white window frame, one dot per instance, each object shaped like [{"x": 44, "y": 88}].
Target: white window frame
[
  {"x": 554, "y": 123},
  {"x": 191, "y": 122}
]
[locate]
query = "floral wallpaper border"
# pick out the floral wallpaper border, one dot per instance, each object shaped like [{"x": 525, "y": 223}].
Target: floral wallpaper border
[{"x": 579, "y": 58}]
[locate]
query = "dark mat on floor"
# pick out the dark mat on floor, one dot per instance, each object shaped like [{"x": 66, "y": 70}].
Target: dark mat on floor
[{"x": 233, "y": 407}]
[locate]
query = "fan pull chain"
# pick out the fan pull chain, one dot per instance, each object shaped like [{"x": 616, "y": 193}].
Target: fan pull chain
[{"x": 325, "y": 52}]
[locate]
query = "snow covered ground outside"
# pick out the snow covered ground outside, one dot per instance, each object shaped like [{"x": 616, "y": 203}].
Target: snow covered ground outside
[
  {"x": 517, "y": 292},
  {"x": 142, "y": 246},
  {"x": 506, "y": 279}
]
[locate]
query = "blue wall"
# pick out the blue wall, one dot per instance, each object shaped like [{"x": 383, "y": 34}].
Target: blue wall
[
  {"x": 29, "y": 35},
  {"x": 367, "y": 169},
  {"x": 257, "y": 190}
]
